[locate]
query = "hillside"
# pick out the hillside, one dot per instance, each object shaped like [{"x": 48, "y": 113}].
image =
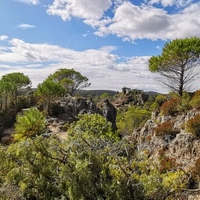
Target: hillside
[{"x": 152, "y": 152}]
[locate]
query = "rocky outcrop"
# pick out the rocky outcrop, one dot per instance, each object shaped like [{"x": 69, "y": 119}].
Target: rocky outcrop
[
  {"x": 184, "y": 147},
  {"x": 110, "y": 113},
  {"x": 136, "y": 97},
  {"x": 68, "y": 108}
]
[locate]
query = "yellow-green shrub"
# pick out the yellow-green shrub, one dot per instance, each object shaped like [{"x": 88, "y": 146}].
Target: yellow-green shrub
[
  {"x": 131, "y": 119},
  {"x": 193, "y": 125},
  {"x": 30, "y": 124},
  {"x": 195, "y": 102}
]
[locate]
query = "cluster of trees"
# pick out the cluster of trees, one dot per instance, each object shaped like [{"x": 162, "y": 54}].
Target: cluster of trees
[
  {"x": 16, "y": 93},
  {"x": 58, "y": 84}
]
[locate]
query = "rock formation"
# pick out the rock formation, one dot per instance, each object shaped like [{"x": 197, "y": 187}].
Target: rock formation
[
  {"x": 110, "y": 113},
  {"x": 183, "y": 148},
  {"x": 68, "y": 109}
]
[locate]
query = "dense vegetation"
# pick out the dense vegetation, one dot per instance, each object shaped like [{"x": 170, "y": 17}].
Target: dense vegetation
[{"x": 92, "y": 162}]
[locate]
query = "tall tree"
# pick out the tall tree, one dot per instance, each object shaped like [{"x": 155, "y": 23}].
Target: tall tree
[
  {"x": 49, "y": 91},
  {"x": 18, "y": 81},
  {"x": 178, "y": 64},
  {"x": 6, "y": 91},
  {"x": 70, "y": 79}
]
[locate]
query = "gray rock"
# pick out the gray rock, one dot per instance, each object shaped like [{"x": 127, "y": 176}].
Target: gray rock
[{"x": 110, "y": 113}]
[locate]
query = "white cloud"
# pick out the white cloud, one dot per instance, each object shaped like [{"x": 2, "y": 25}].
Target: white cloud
[
  {"x": 135, "y": 22},
  {"x": 25, "y": 26},
  {"x": 33, "y": 2},
  {"x": 3, "y": 37},
  {"x": 104, "y": 69},
  {"x": 131, "y": 22},
  {"x": 85, "y": 9},
  {"x": 147, "y": 22},
  {"x": 158, "y": 47},
  {"x": 165, "y": 3}
]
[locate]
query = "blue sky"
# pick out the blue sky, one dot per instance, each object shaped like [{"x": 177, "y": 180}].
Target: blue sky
[{"x": 109, "y": 41}]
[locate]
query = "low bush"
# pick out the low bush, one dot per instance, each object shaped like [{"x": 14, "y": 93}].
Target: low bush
[
  {"x": 30, "y": 124},
  {"x": 170, "y": 107},
  {"x": 195, "y": 174},
  {"x": 165, "y": 128},
  {"x": 193, "y": 125},
  {"x": 195, "y": 102},
  {"x": 131, "y": 119}
]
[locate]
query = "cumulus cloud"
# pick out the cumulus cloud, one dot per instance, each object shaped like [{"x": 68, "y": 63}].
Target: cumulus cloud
[
  {"x": 131, "y": 22},
  {"x": 165, "y": 3},
  {"x": 25, "y": 26},
  {"x": 85, "y": 9},
  {"x": 104, "y": 69},
  {"x": 147, "y": 22},
  {"x": 3, "y": 37},
  {"x": 33, "y": 2},
  {"x": 135, "y": 22}
]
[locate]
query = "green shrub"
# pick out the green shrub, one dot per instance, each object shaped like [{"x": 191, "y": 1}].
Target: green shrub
[
  {"x": 133, "y": 118},
  {"x": 185, "y": 102},
  {"x": 93, "y": 125},
  {"x": 193, "y": 125},
  {"x": 195, "y": 102},
  {"x": 165, "y": 128},
  {"x": 160, "y": 99},
  {"x": 30, "y": 124},
  {"x": 170, "y": 107},
  {"x": 23, "y": 102}
]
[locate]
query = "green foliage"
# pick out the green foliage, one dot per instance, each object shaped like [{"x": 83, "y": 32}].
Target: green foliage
[
  {"x": 70, "y": 79},
  {"x": 46, "y": 168},
  {"x": 30, "y": 124},
  {"x": 185, "y": 102},
  {"x": 48, "y": 92},
  {"x": 6, "y": 92},
  {"x": 93, "y": 125},
  {"x": 163, "y": 186},
  {"x": 133, "y": 118},
  {"x": 160, "y": 99},
  {"x": 104, "y": 96},
  {"x": 177, "y": 63},
  {"x": 157, "y": 103},
  {"x": 193, "y": 125},
  {"x": 10, "y": 84},
  {"x": 30, "y": 166},
  {"x": 23, "y": 102},
  {"x": 19, "y": 80},
  {"x": 195, "y": 101}
]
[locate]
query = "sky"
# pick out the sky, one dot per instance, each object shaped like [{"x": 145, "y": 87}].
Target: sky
[{"x": 108, "y": 41}]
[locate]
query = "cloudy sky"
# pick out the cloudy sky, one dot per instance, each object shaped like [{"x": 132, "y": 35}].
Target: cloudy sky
[{"x": 109, "y": 41}]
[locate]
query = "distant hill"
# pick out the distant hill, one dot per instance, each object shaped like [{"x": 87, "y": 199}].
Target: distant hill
[{"x": 94, "y": 92}]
